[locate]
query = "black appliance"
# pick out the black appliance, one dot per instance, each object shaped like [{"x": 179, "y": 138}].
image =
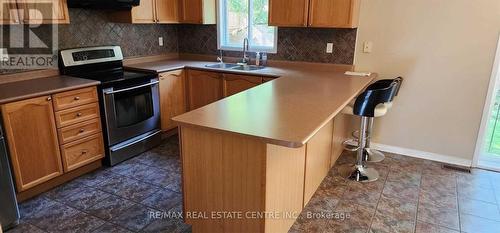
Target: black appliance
[
  {"x": 9, "y": 214},
  {"x": 129, "y": 101},
  {"x": 104, "y": 4}
]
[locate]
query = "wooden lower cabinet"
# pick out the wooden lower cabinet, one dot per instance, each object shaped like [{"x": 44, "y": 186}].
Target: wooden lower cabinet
[
  {"x": 234, "y": 83},
  {"x": 45, "y": 144},
  {"x": 203, "y": 88},
  {"x": 82, "y": 152},
  {"x": 224, "y": 171},
  {"x": 318, "y": 155},
  {"x": 172, "y": 97},
  {"x": 32, "y": 138}
]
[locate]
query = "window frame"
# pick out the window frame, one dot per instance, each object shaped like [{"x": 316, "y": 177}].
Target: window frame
[{"x": 221, "y": 27}]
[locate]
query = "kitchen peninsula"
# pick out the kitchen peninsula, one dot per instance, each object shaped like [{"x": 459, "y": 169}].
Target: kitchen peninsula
[{"x": 263, "y": 151}]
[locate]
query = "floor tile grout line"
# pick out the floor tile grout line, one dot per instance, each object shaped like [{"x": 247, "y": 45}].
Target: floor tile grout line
[
  {"x": 418, "y": 202},
  {"x": 458, "y": 204},
  {"x": 378, "y": 202}
]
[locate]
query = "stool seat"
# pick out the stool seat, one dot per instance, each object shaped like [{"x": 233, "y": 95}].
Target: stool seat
[{"x": 380, "y": 109}]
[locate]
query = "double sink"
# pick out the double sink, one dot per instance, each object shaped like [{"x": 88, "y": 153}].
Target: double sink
[{"x": 232, "y": 66}]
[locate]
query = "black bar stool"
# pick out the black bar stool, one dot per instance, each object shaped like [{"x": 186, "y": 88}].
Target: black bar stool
[
  {"x": 371, "y": 103},
  {"x": 371, "y": 155}
]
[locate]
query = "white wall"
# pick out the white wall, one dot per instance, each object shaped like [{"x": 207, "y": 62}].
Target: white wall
[{"x": 445, "y": 51}]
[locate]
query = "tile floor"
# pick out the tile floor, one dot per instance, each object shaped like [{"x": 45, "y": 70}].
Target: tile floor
[
  {"x": 412, "y": 195},
  {"x": 117, "y": 199}
]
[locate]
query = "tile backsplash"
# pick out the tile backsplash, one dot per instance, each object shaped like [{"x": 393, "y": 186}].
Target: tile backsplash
[
  {"x": 294, "y": 44},
  {"x": 93, "y": 28}
]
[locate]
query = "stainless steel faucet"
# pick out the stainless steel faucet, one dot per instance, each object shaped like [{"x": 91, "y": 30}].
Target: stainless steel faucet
[
  {"x": 220, "y": 57},
  {"x": 246, "y": 58}
]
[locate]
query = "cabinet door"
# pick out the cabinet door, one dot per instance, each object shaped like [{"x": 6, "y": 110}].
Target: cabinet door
[
  {"x": 167, "y": 11},
  {"x": 32, "y": 138},
  {"x": 8, "y": 12},
  {"x": 144, "y": 13},
  {"x": 172, "y": 97},
  {"x": 203, "y": 88},
  {"x": 192, "y": 11},
  {"x": 334, "y": 13},
  {"x": 234, "y": 84},
  {"x": 44, "y": 11},
  {"x": 291, "y": 13}
]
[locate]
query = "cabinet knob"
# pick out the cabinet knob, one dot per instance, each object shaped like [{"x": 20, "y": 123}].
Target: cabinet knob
[
  {"x": 49, "y": 98},
  {"x": 84, "y": 152},
  {"x": 82, "y": 130},
  {"x": 79, "y": 114},
  {"x": 77, "y": 98}
]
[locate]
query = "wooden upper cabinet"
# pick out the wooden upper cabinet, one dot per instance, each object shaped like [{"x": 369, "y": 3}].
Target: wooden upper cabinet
[
  {"x": 9, "y": 13},
  {"x": 334, "y": 13},
  {"x": 172, "y": 97},
  {"x": 288, "y": 13},
  {"x": 198, "y": 11},
  {"x": 43, "y": 11},
  {"x": 144, "y": 13},
  {"x": 203, "y": 88},
  {"x": 149, "y": 11},
  {"x": 32, "y": 138},
  {"x": 167, "y": 11},
  {"x": 234, "y": 83}
]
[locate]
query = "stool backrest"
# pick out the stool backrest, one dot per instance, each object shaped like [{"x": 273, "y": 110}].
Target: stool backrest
[
  {"x": 377, "y": 93},
  {"x": 398, "y": 80}
]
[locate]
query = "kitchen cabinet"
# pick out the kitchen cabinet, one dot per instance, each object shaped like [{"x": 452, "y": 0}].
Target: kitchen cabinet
[
  {"x": 148, "y": 12},
  {"x": 36, "y": 12},
  {"x": 32, "y": 138},
  {"x": 167, "y": 11},
  {"x": 314, "y": 13},
  {"x": 9, "y": 13},
  {"x": 198, "y": 11},
  {"x": 289, "y": 13},
  {"x": 203, "y": 88},
  {"x": 52, "y": 135},
  {"x": 234, "y": 83},
  {"x": 172, "y": 97},
  {"x": 334, "y": 13},
  {"x": 318, "y": 154}
]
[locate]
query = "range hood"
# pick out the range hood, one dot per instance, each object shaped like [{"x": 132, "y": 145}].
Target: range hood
[{"x": 103, "y": 4}]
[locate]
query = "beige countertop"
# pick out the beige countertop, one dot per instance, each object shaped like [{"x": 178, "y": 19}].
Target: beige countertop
[
  {"x": 287, "y": 111},
  {"x": 14, "y": 91}
]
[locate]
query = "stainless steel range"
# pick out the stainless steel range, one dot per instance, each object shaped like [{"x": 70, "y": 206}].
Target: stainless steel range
[{"x": 129, "y": 101}]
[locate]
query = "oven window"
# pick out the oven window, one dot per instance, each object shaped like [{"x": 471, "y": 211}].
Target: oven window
[{"x": 133, "y": 107}]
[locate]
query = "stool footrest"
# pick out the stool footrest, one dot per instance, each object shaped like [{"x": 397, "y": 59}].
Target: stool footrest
[{"x": 350, "y": 145}]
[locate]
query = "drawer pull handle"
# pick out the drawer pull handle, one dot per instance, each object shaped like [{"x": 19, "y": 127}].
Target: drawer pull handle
[
  {"x": 49, "y": 98},
  {"x": 82, "y": 130},
  {"x": 77, "y": 98},
  {"x": 79, "y": 114},
  {"x": 84, "y": 152}
]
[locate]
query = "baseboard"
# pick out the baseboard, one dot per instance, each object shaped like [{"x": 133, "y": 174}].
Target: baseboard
[{"x": 422, "y": 154}]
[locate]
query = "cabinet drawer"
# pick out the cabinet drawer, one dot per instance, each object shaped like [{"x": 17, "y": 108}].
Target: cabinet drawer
[
  {"x": 81, "y": 152},
  {"x": 77, "y": 114},
  {"x": 78, "y": 131},
  {"x": 75, "y": 98}
]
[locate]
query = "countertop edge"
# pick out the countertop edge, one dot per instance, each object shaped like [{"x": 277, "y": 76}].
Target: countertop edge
[{"x": 48, "y": 92}]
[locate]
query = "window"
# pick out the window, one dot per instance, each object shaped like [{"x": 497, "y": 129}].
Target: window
[{"x": 240, "y": 19}]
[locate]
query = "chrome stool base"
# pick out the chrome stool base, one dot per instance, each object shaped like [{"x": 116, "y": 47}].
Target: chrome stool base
[
  {"x": 373, "y": 156},
  {"x": 358, "y": 173}
]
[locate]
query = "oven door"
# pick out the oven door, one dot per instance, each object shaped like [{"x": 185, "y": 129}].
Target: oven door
[{"x": 131, "y": 110}]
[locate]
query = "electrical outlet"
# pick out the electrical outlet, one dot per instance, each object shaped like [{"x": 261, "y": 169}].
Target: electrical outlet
[
  {"x": 368, "y": 47},
  {"x": 329, "y": 47},
  {"x": 160, "y": 41}
]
